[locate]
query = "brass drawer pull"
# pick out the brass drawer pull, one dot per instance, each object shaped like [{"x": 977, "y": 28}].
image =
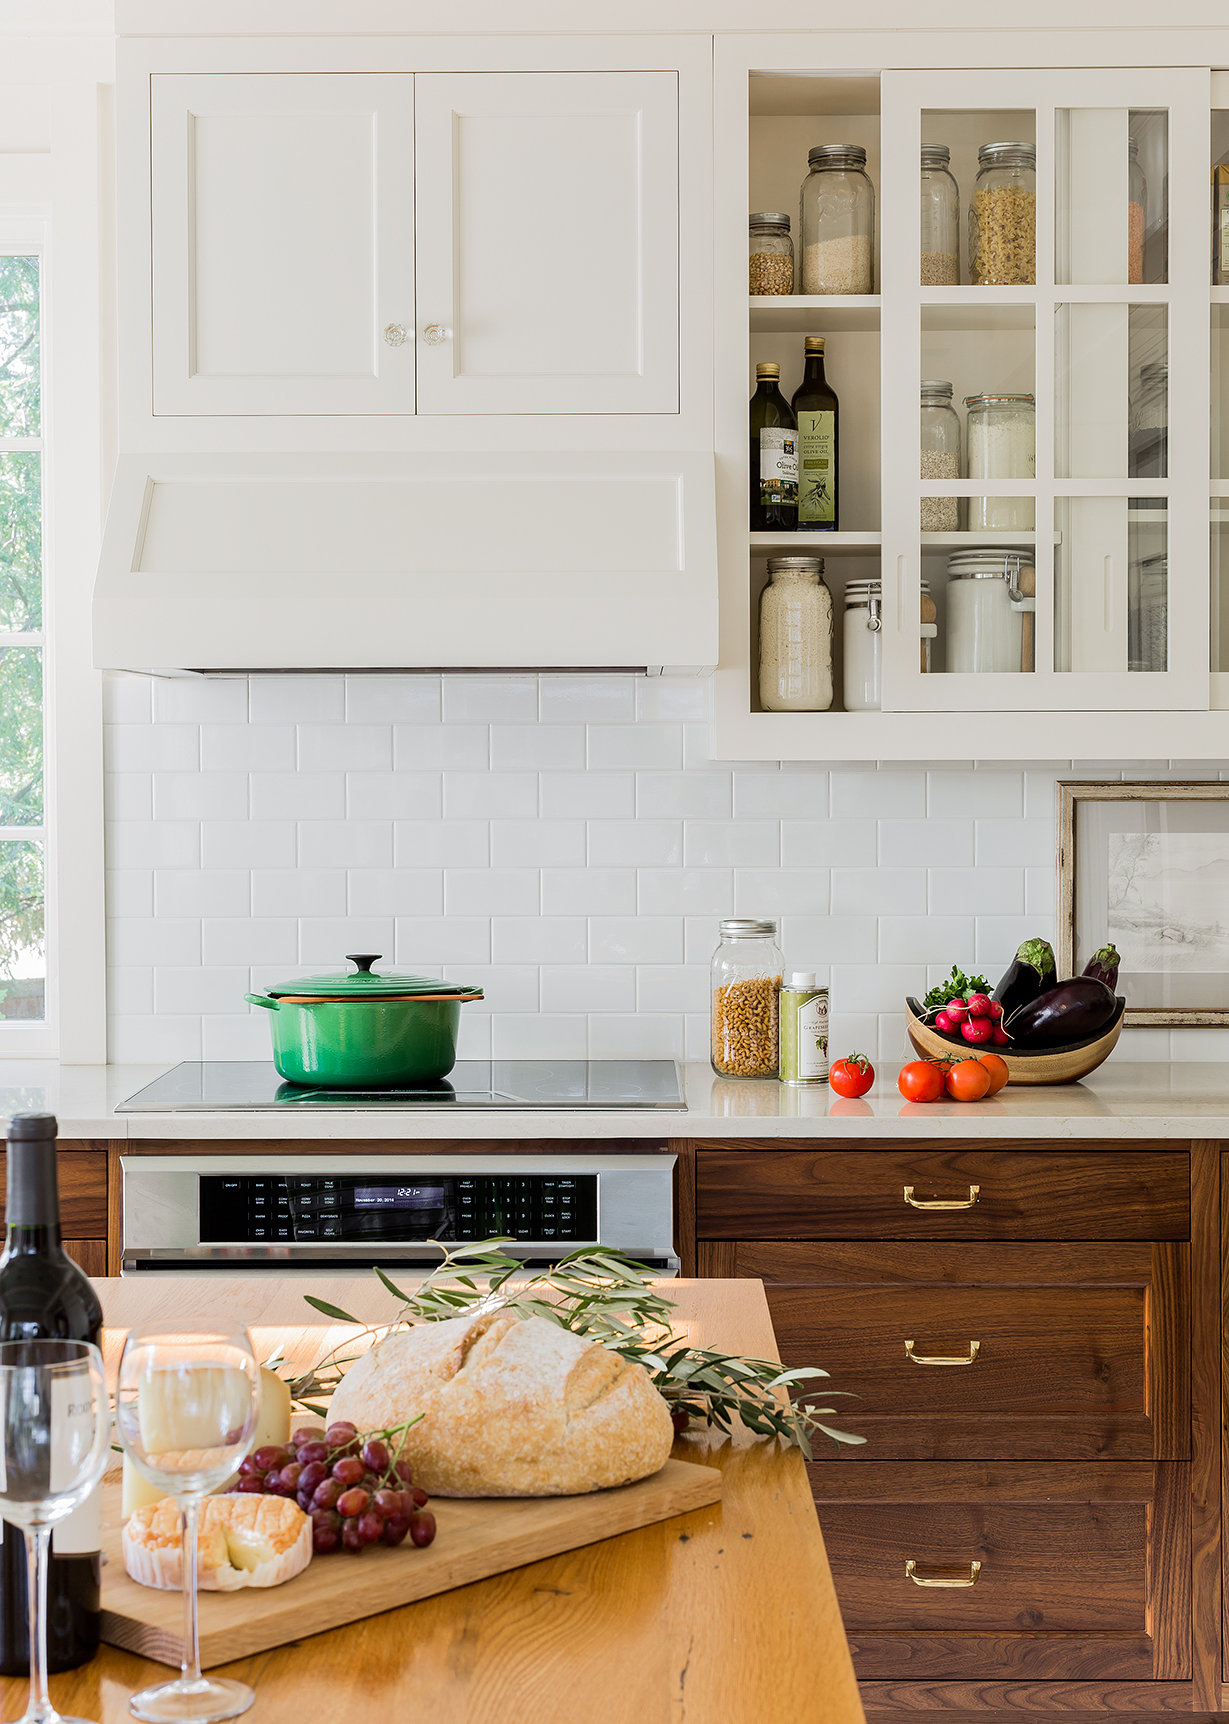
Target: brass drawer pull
[
  {"x": 943, "y": 1202},
  {"x": 921, "y": 1359},
  {"x": 912, "y": 1574}
]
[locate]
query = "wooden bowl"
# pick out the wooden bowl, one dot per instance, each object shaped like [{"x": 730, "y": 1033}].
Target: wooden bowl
[{"x": 1064, "y": 1064}]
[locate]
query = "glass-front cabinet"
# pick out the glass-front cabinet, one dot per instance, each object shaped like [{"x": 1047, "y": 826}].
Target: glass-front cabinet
[{"x": 1023, "y": 412}]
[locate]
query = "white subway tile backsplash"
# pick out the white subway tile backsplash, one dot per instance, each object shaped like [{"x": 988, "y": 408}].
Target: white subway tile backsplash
[
  {"x": 490, "y": 795},
  {"x": 537, "y": 748},
  {"x": 537, "y": 843},
  {"x": 345, "y": 844},
  {"x": 297, "y": 699},
  {"x": 395, "y": 892},
  {"x": 643, "y": 746},
  {"x": 248, "y": 748},
  {"x": 345, "y": 747},
  {"x": 392, "y": 699},
  {"x": 635, "y": 843},
  {"x": 722, "y": 844},
  {"x": 566, "y": 841}
]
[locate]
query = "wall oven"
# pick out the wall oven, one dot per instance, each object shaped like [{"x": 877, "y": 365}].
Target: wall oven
[{"x": 341, "y": 1214}]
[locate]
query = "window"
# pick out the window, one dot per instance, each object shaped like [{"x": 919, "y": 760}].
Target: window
[{"x": 23, "y": 963}]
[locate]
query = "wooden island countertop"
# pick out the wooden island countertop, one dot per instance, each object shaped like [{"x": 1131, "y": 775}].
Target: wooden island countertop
[{"x": 726, "y": 1615}]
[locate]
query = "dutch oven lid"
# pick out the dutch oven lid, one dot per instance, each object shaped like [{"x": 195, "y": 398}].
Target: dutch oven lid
[{"x": 363, "y": 983}]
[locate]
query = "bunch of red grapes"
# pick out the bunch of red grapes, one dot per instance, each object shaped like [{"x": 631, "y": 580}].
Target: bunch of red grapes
[{"x": 351, "y": 1484}]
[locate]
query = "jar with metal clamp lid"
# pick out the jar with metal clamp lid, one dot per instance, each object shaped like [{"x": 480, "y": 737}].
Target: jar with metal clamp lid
[
  {"x": 796, "y": 637},
  {"x": 1002, "y": 444},
  {"x": 989, "y": 592},
  {"x": 863, "y": 642}
]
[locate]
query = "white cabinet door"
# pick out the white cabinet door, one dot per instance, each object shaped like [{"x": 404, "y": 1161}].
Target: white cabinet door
[
  {"x": 547, "y": 223},
  {"x": 283, "y": 217}
]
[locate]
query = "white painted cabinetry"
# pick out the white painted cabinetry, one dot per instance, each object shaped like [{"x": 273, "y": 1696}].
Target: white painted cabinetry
[{"x": 284, "y": 214}]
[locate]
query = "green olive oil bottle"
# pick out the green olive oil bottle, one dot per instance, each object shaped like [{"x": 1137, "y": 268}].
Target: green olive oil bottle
[
  {"x": 774, "y": 456},
  {"x": 818, "y": 415}
]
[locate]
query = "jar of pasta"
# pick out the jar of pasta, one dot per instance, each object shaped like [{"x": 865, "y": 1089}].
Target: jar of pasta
[
  {"x": 1003, "y": 217},
  {"x": 746, "y": 976}
]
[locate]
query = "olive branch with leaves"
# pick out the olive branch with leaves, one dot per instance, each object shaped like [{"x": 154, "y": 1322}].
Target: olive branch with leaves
[{"x": 606, "y": 1298}]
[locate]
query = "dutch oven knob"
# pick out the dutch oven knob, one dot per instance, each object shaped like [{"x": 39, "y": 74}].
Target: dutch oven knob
[{"x": 364, "y": 960}]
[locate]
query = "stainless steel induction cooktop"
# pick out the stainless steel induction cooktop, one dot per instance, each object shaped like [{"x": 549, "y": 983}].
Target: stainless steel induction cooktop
[{"x": 503, "y": 1086}]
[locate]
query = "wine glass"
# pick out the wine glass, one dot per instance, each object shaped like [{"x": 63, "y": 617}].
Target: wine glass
[
  {"x": 55, "y": 1433},
  {"x": 186, "y": 1408}
]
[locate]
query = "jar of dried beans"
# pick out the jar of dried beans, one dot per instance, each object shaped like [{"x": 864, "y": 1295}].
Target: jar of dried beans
[
  {"x": 1003, "y": 217},
  {"x": 746, "y": 988},
  {"x": 771, "y": 252},
  {"x": 940, "y": 455},
  {"x": 940, "y": 219},
  {"x": 836, "y": 221}
]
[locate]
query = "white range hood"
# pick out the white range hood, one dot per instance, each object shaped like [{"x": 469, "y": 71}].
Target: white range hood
[{"x": 307, "y": 562}]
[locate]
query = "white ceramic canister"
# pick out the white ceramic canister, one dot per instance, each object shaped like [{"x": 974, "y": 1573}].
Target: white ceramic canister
[
  {"x": 985, "y": 608},
  {"x": 863, "y": 643}
]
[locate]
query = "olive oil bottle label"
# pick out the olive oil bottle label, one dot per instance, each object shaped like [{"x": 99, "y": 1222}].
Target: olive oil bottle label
[
  {"x": 816, "y": 469},
  {"x": 778, "y": 466},
  {"x": 804, "y": 1035}
]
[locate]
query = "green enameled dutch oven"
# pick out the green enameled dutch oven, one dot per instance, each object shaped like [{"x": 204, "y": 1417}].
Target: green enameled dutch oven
[{"x": 362, "y": 1030}]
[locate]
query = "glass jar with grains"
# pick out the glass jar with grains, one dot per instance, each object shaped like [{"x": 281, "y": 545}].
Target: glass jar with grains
[
  {"x": 940, "y": 455},
  {"x": 771, "y": 251},
  {"x": 1003, "y": 217},
  {"x": 836, "y": 221},
  {"x": 796, "y": 637},
  {"x": 1002, "y": 444},
  {"x": 746, "y": 978},
  {"x": 940, "y": 219}
]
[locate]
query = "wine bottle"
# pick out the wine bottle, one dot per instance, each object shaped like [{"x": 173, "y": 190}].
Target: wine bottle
[
  {"x": 774, "y": 456},
  {"x": 817, "y": 413},
  {"x": 43, "y": 1293}
]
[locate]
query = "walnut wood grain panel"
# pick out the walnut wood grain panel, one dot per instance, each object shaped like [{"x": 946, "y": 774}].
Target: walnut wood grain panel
[
  {"x": 1169, "y": 1572},
  {"x": 91, "y": 1254},
  {"x": 685, "y": 1204},
  {"x": 996, "y": 1702},
  {"x": 1167, "y": 1340},
  {"x": 82, "y": 1175},
  {"x": 835, "y": 1481},
  {"x": 1021, "y": 1657},
  {"x": 852, "y": 1263},
  {"x": 358, "y": 1147},
  {"x": 115, "y": 1208},
  {"x": 1054, "y": 1568},
  {"x": 1051, "y": 1195}
]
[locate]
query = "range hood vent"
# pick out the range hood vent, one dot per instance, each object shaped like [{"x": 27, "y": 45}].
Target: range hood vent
[{"x": 364, "y": 562}]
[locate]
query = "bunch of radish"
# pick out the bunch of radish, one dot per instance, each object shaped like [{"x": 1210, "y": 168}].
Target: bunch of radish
[{"x": 977, "y": 1019}]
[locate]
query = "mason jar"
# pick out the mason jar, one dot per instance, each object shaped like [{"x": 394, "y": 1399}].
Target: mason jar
[
  {"x": 1003, "y": 217},
  {"x": 1137, "y": 214},
  {"x": 940, "y": 455},
  {"x": 771, "y": 253},
  {"x": 836, "y": 222},
  {"x": 745, "y": 987},
  {"x": 1002, "y": 444},
  {"x": 986, "y": 602},
  {"x": 1148, "y": 436},
  {"x": 796, "y": 637},
  {"x": 940, "y": 219}
]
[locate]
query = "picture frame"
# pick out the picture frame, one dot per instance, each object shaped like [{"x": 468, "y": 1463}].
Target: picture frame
[{"x": 1146, "y": 866}]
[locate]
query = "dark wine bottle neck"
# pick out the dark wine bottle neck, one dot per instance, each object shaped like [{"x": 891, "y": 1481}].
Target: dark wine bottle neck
[
  {"x": 813, "y": 377},
  {"x": 32, "y": 1199}
]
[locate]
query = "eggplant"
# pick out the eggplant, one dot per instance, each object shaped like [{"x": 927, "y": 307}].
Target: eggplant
[
  {"x": 1073, "y": 1010},
  {"x": 1032, "y": 970},
  {"x": 1104, "y": 966}
]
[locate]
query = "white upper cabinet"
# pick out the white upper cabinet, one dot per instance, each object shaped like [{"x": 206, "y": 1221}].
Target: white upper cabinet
[
  {"x": 547, "y": 218},
  {"x": 283, "y": 243},
  {"x": 284, "y": 214}
]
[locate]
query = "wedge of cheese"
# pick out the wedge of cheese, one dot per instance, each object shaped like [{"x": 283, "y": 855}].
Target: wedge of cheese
[{"x": 242, "y": 1541}]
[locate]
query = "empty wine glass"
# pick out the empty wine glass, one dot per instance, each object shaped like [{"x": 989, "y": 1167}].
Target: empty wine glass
[
  {"x": 186, "y": 1408},
  {"x": 55, "y": 1431}
]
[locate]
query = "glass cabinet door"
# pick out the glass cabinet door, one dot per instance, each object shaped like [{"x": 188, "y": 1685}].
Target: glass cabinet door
[{"x": 1061, "y": 561}]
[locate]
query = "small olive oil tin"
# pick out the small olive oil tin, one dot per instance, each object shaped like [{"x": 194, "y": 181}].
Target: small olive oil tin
[{"x": 804, "y": 1030}]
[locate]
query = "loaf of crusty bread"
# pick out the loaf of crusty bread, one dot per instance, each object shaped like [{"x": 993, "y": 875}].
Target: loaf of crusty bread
[{"x": 511, "y": 1407}]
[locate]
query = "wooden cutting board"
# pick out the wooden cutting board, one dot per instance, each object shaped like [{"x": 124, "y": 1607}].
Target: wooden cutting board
[{"x": 474, "y": 1539}]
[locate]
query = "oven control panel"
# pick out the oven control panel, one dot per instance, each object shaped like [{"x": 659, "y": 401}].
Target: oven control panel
[{"x": 375, "y": 1209}]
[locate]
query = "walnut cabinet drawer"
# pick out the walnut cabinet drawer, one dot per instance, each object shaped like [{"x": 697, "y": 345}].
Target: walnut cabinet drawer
[
  {"x": 82, "y": 1178},
  {"x": 985, "y": 1194}
]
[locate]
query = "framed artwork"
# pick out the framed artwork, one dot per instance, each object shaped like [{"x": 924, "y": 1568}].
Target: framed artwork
[{"x": 1146, "y": 868}]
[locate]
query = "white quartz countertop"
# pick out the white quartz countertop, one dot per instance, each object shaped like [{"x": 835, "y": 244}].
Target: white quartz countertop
[{"x": 1122, "y": 1099}]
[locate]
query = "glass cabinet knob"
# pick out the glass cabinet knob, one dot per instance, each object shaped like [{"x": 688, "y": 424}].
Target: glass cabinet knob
[
  {"x": 435, "y": 334},
  {"x": 396, "y": 334}
]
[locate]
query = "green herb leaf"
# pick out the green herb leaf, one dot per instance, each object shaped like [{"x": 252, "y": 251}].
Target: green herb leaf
[
  {"x": 332, "y": 1310},
  {"x": 958, "y": 986}
]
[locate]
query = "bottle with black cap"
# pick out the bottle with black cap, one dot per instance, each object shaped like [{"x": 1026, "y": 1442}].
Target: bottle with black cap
[{"x": 43, "y": 1293}]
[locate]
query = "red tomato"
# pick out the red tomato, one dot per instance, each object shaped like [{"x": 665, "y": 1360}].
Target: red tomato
[
  {"x": 999, "y": 1070},
  {"x": 921, "y": 1080},
  {"x": 852, "y": 1076},
  {"x": 968, "y": 1080}
]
